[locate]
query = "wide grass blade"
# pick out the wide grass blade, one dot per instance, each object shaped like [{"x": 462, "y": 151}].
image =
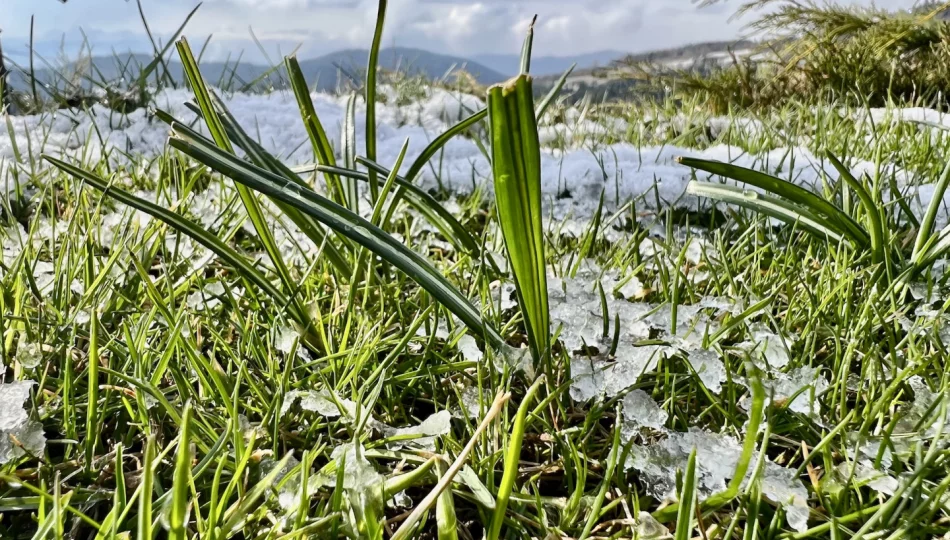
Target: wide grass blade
[
  {"x": 832, "y": 217},
  {"x": 516, "y": 163},
  {"x": 260, "y": 157},
  {"x": 764, "y": 204},
  {"x": 343, "y": 221}
]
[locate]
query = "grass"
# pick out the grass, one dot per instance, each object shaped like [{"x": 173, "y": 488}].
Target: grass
[{"x": 295, "y": 386}]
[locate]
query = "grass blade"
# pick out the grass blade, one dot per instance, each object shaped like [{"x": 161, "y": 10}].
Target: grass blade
[
  {"x": 251, "y": 205},
  {"x": 433, "y": 147},
  {"x": 684, "y": 519},
  {"x": 344, "y": 222},
  {"x": 516, "y": 163},
  {"x": 553, "y": 93},
  {"x": 835, "y": 218},
  {"x": 181, "y": 483}
]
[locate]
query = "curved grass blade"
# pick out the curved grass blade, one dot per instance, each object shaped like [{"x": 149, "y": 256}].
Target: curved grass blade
[
  {"x": 516, "y": 164},
  {"x": 512, "y": 459},
  {"x": 878, "y": 242},
  {"x": 318, "y": 136},
  {"x": 433, "y": 147},
  {"x": 343, "y": 221},
  {"x": 925, "y": 231},
  {"x": 371, "y": 67},
  {"x": 526, "y": 48},
  {"x": 553, "y": 93},
  {"x": 834, "y": 218},
  {"x": 182, "y": 225},
  {"x": 764, "y": 204}
]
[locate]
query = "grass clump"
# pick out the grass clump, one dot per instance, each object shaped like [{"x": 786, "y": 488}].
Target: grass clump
[{"x": 828, "y": 52}]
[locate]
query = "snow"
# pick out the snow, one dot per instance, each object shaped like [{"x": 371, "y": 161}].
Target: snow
[
  {"x": 717, "y": 457},
  {"x": 573, "y": 177},
  {"x": 18, "y": 433},
  {"x": 640, "y": 411}
]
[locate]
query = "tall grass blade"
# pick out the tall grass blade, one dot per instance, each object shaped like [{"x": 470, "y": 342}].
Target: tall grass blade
[
  {"x": 873, "y": 211},
  {"x": 349, "y": 153},
  {"x": 516, "y": 163},
  {"x": 251, "y": 204},
  {"x": 318, "y": 136},
  {"x": 371, "y": 72}
]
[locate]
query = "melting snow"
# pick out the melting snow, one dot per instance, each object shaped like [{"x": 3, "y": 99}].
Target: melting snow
[
  {"x": 717, "y": 457},
  {"x": 18, "y": 434}
]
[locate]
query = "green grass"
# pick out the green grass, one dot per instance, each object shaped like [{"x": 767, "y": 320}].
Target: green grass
[{"x": 163, "y": 384}]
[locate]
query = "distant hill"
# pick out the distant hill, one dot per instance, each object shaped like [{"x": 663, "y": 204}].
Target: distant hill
[
  {"x": 541, "y": 66},
  {"x": 326, "y": 72}
]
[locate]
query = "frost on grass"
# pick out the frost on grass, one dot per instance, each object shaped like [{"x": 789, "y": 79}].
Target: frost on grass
[
  {"x": 640, "y": 411},
  {"x": 358, "y": 473},
  {"x": 717, "y": 457},
  {"x": 710, "y": 369},
  {"x": 422, "y": 435},
  {"x": 321, "y": 402},
  {"x": 578, "y": 310},
  {"x": 801, "y": 385},
  {"x": 18, "y": 434},
  {"x": 469, "y": 349},
  {"x": 768, "y": 349}
]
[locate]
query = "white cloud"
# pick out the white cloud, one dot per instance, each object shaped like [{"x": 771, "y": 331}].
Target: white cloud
[{"x": 450, "y": 26}]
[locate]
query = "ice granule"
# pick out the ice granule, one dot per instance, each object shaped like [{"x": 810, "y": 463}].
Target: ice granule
[
  {"x": 717, "y": 457},
  {"x": 806, "y": 382},
  {"x": 358, "y": 472},
  {"x": 320, "y": 402},
  {"x": 709, "y": 367},
  {"x": 286, "y": 336},
  {"x": 640, "y": 411},
  {"x": 424, "y": 434},
  {"x": 18, "y": 434},
  {"x": 469, "y": 349},
  {"x": 29, "y": 354}
]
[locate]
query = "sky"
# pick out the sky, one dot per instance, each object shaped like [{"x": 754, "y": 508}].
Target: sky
[{"x": 315, "y": 27}]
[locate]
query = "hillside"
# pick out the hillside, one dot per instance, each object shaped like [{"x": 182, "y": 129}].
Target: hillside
[{"x": 326, "y": 72}]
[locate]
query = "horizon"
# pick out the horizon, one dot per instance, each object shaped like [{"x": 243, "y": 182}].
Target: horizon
[{"x": 314, "y": 28}]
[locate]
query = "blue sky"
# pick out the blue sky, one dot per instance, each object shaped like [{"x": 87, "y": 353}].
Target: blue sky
[{"x": 319, "y": 26}]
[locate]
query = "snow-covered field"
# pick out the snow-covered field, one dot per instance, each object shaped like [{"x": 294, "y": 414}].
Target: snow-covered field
[{"x": 577, "y": 166}]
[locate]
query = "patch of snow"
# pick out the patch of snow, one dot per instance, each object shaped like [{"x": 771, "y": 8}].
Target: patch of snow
[{"x": 19, "y": 434}]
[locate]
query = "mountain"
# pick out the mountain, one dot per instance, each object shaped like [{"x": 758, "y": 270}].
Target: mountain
[
  {"x": 510, "y": 64},
  {"x": 326, "y": 72}
]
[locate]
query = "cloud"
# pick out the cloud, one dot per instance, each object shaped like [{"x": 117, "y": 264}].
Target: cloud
[{"x": 453, "y": 26}]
